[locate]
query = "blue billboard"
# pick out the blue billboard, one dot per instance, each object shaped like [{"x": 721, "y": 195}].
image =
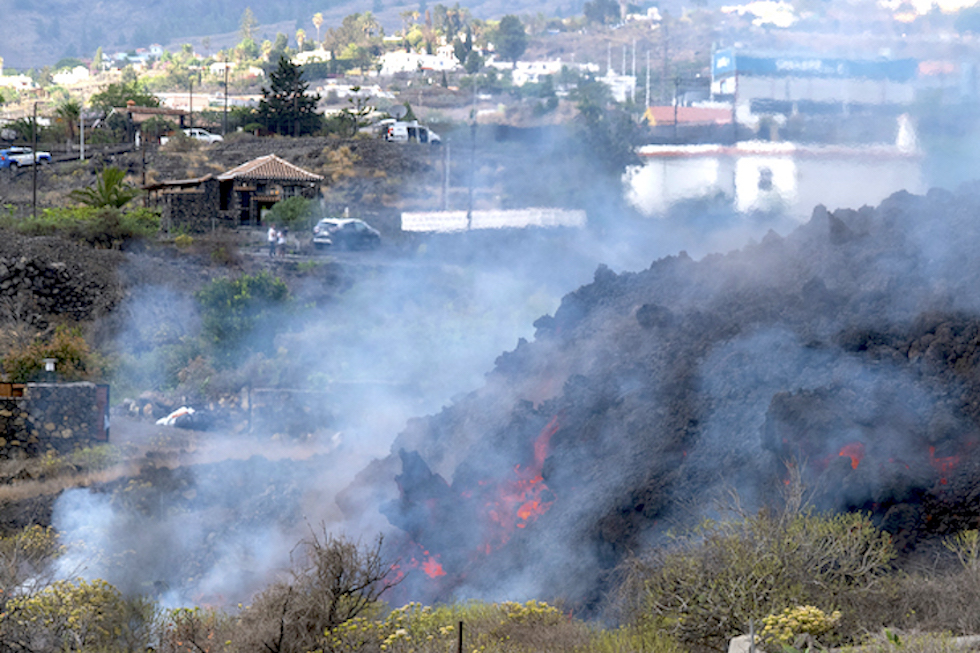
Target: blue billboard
[{"x": 725, "y": 62}]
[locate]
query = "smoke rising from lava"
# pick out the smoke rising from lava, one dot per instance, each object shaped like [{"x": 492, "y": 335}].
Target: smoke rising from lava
[{"x": 657, "y": 390}]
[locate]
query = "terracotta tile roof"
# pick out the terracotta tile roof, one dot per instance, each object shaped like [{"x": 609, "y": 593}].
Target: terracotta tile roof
[{"x": 270, "y": 167}]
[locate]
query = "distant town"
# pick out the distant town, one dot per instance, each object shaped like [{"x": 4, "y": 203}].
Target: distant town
[{"x": 762, "y": 69}]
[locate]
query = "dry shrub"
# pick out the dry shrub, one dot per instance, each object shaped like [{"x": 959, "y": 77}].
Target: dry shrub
[
  {"x": 195, "y": 630},
  {"x": 20, "y": 320},
  {"x": 220, "y": 247},
  {"x": 943, "y": 601},
  {"x": 507, "y": 627},
  {"x": 890, "y": 641},
  {"x": 333, "y": 581},
  {"x": 181, "y": 142},
  {"x": 707, "y": 588}
]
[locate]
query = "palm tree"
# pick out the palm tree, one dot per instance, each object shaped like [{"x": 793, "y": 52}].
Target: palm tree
[
  {"x": 69, "y": 112},
  {"x": 110, "y": 190},
  {"x": 317, "y": 21},
  {"x": 369, "y": 24},
  {"x": 300, "y": 38}
]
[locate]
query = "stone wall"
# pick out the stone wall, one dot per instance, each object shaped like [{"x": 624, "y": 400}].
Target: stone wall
[
  {"x": 54, "y": 416},
  {"x": 195, "y": 210},
  {"x": 50, "y": 284}
]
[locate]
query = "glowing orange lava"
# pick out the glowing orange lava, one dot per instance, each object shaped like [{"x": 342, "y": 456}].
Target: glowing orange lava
[
  {"x": 854, "y": 451},
  {"x": 942, "y": 465}
]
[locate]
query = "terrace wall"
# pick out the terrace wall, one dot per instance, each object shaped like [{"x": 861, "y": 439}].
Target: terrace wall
[{"x": 52, "y": 416}]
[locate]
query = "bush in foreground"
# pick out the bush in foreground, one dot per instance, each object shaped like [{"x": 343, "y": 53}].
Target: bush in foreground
[{"x": 708, "y": 587}]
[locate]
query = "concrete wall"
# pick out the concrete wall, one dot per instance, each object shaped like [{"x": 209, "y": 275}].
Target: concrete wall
[{"x": 54, "y": 416}]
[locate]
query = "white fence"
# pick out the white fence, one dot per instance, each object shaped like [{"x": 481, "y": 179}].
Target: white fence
[{"x": 445, "y": 221}]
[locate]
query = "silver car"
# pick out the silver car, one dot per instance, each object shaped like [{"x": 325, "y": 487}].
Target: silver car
[{"x": 345, "y": 233}]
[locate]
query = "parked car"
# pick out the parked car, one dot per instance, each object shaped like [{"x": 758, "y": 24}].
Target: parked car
[
  {"x": 345, "y": 233},
  {"x": 16, "y": 157},
  {"x": 198, "y": 134}
]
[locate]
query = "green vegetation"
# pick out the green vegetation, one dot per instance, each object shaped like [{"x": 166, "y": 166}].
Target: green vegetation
[
  {"x": 75, "y": 361},
  {"x": 511, "y": 39},
  {"x": 285, "y": 107},
  {"x": 242, "y": 314},
  {"x": 705, "y": 589},
  {"x": 118, "y": 94},
  {"x": 76, "y": 616},
  {"x": 793, "y": 626},
  {"x": 101, "y": 227},
  {"x": 110, "y": 190},
  {"x": 293, "y": 212}
]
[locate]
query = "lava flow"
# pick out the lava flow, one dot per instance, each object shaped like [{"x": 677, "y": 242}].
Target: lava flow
[
  {"x": 854, "y": 451},
  {"x": 452, "y": 528}
]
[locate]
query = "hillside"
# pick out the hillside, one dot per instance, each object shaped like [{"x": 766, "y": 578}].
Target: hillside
[{"x": 35, "y": 34}]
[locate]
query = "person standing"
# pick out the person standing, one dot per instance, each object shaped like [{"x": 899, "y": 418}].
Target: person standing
[
  {"x": 281, "y": 242},
  {"x": 273, "y": 240}
]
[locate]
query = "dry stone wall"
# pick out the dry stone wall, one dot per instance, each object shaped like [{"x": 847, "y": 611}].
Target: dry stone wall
[{"x": 53, "y": 416}]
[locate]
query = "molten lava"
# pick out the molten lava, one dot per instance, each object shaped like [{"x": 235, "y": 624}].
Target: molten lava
[
  {"x": 854, "y": 451},
  {"x": 942, "y": 465},
  {"x": 492, "y": 509},
  {"x": 522, "y": 498}
]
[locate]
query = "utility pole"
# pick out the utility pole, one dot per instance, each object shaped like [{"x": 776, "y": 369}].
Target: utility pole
[
  {"x": 224, "y": 122},
  {"x": 445, "y": 180},
  {"x": 666, "y": 61},
  {"x": 34, "y": 167},
  {"x": 191, "y": 111},
  {"x": 648, "y": 78},
  {"x": 677, "y": 83},
  {"x": 469, "y": 204},
  {"x": 633, "y": 73},
  {"x": 81, "y": 133}
]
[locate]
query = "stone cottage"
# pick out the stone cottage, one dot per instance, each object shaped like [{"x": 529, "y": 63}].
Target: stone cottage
[{"x": 234, "y": 198}]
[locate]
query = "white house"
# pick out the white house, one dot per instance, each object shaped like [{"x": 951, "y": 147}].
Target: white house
[
  {"x": 343, "y": 91},
  {"x": 407, "y": 62},
  {"x": 17, "y": 82},
  {"x": 312, "y": 56},
  {"x": 70, "y": 77},
  {"x": 623, "y": 87}
]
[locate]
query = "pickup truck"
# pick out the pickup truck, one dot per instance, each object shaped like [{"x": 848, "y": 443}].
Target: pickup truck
[{"x": 13, "y": 158}]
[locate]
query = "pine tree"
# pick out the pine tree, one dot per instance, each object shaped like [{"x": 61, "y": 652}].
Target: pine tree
[{"x": 285, "y": 108}]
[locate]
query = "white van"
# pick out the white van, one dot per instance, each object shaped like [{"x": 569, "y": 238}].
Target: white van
[{"x": 399, "y": 131}]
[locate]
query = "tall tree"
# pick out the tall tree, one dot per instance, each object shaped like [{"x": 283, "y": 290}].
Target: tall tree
[
  {"x": 511, "y": 39},
  {"x": 317, "y": 22},
  {"x": 301, "y": 38},
  {"x": 116, "y": 95},
  {"x": 285, "y": 107},
  {"x": 69, "y": 113},
  {"x": 248, "y": 25}
]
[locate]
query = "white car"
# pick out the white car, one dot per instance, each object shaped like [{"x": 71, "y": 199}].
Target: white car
[{"x": 198, "y": 134}]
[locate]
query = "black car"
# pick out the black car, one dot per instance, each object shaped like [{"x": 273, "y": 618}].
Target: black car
[{"x": 345, "y": 233}]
